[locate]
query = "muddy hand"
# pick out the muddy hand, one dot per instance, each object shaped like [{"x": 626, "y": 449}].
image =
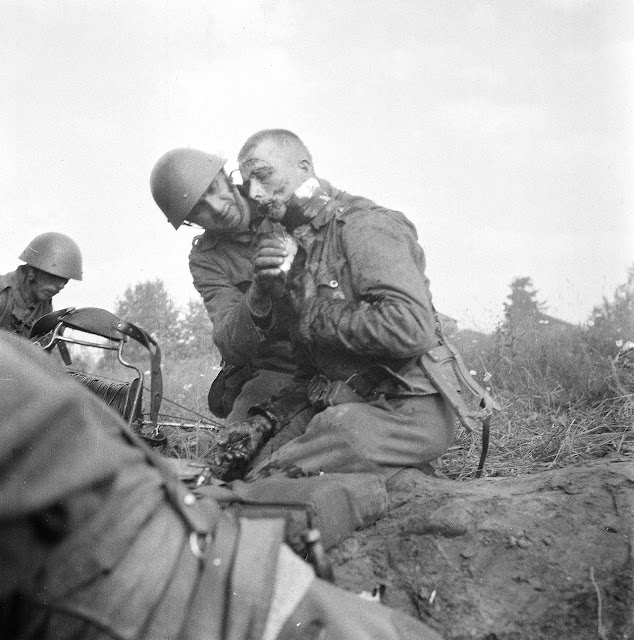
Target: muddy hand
[{"x": 240, "y": 444}]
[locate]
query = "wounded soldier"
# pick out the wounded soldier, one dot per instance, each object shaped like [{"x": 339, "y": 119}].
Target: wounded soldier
[{"x": 364, "y": 325}]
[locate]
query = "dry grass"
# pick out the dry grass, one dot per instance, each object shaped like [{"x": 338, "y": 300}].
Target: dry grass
[
  {"x": 191, "y": 441},
  {"x": 524, "y": 442},
  {"x": 562, "y": 403}
]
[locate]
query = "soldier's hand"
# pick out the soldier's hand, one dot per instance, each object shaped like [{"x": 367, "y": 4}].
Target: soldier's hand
[
  {"x": 240, "y": 444},
  {"x": 270, "y": 257},
  {"x": 269, "y": 264}
]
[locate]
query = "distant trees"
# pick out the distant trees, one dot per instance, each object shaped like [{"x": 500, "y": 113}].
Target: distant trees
[
  {"x": 148, "y": 305},
  {"x": 541, "y": 361},
  {"x": 522, "y": 309},
  {"x": 613, "y": 320},
  {"x": 198, "y": 332},
  {"x": 522, "y": 313},
  {"x": 180, "y": 334}
]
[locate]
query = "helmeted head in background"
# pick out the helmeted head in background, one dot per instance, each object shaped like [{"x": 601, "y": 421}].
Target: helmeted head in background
[
  {"x": 51, "y": 260},
  {"x": 274, "y": 163},
  {"x": 191, "y": 186}
]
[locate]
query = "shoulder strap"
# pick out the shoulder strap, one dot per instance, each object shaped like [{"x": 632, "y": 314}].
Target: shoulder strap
[
  {"x": 235, "y": 590},
  {"x": 253, "y": 576}
]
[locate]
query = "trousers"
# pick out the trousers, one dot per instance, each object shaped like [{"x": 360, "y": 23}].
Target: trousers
[{"x": 381, "y": 436}]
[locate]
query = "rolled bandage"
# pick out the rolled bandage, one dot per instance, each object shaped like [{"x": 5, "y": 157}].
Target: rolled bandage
[{"x": 291, "y": 246}]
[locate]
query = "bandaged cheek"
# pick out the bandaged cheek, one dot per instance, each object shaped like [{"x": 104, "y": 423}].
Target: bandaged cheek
[{"x": 307, "y": 189}]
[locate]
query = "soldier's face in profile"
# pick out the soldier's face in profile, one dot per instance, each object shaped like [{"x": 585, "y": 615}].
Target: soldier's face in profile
[{"x": 218, "y": 208}]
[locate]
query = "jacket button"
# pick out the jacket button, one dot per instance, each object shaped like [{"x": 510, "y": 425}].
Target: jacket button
[
  {"x": 333, "y": 284},
  {"x": 189, "y": 499}
]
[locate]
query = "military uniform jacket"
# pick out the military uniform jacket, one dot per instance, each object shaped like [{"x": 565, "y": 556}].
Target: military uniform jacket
[
  {"x": 359, "y": 288},
  {"x": 17, "y": 314},
  {"x": 222, "y": 270}
]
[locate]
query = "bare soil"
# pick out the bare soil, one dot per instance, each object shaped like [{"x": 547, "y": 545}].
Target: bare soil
[{"x": 544, "y": 556}]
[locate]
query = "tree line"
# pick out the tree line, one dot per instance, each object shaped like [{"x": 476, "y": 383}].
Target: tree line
[
  {"x": 186, "y": 332},
  {"x": 181, "y": 333}
]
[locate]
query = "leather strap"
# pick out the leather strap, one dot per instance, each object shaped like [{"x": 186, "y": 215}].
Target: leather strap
[
  {"x": 253, "y": 576},
  {"x": 206, "y": 616},
  {"x": 438, "y": 363}
]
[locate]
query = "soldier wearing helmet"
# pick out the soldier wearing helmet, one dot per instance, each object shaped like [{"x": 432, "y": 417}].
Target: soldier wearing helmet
[
  {"x": 192, "y": 187},
  {"x": 26, "y": 293}
]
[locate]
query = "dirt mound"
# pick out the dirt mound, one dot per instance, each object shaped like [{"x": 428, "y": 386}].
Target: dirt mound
[{"x": 542, "y": 556}]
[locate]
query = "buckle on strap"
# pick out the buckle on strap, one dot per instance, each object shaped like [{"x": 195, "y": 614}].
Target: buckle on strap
[{"x": 199, "y": 543}]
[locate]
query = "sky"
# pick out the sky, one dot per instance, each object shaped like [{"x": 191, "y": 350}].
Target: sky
[{"x": 503, "y": 130}]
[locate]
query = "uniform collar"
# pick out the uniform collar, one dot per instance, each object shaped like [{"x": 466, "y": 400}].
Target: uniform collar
[
  {"x": 213, "y": 239},
  {"x": 23, "y": 288}
]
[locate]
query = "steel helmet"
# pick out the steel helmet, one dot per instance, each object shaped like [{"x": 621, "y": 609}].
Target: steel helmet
[
  {"x": 179, "y": 179},
  {"x": 54, "y": 253}
]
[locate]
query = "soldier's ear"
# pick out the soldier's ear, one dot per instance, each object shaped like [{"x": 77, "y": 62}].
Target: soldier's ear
[{"x": 306, "y": 166}]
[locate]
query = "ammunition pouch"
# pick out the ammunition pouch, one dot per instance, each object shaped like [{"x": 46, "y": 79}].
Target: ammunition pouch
[{"x": 442, "y": 365}]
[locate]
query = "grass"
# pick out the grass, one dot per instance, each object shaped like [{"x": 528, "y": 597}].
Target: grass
[
  {"x": 562, "y": 401},
  {"x": 525, "y": 441},
  {"x": 190, "y": 428},
  {"x": 184, "y": 416},
  {"x": 185, "y": 386}
]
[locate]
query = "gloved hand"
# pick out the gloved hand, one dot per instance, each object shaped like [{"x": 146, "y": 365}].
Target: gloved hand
[{"x": 239, "y": 445}]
